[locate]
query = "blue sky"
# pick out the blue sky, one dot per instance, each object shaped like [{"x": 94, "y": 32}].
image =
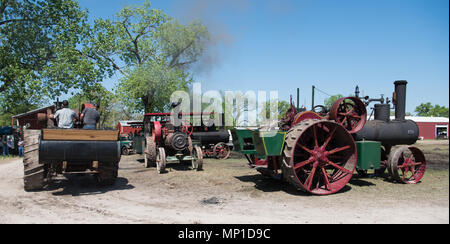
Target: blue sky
[{"x": 334, "y": 45}]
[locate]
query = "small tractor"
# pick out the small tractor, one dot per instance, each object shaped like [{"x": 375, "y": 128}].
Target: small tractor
[
  {"x": 318, "y": 153},
  {"x": 214, "y": 142},
  {"x": 166, "y": 143},
  {"x": 50, "y": 151}
]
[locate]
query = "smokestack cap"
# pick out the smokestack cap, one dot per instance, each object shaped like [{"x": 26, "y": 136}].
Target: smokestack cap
[{"x": 400, "y": 82}]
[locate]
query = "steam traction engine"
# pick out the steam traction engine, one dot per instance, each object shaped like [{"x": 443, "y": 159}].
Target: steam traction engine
[
  {"x": 319, "y": 154},
  {"x": 215, "y": 141},
  {"x": 168, "y": 143}
]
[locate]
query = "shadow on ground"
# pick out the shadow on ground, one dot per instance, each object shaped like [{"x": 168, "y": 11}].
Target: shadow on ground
[
  {"x": 268, "y": 184},
  {"x": 77, "y": 185}
]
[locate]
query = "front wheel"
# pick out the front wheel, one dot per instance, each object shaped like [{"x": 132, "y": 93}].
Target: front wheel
[
  {"x": 407, "y": 165},
  {"x": 161, "y": 161},
  {"x": 197, "y": 161},
  {"x": 222, "y": 151}
]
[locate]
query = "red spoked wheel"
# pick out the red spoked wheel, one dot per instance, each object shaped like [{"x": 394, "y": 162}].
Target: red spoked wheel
[
  {"x": 407, "y": 165},
  {"x": 319, "y": 157},
  {"x": 349, "y": 112},
  {"x": 221, "y": 150}
]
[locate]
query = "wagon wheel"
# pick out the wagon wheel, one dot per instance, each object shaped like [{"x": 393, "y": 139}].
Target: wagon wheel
[
  {"x": 349, "y": 112},
  {"x": 319, "y": 156},
  {"x": 197, "y": 158},
  {"x": 161, "y": 161},
  {"x": 407, "y": 165},
  {"x": 221, "y": 150}
]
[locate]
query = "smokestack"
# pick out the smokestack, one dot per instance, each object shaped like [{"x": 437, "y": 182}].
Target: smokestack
[{"x": 400, "y": 99}]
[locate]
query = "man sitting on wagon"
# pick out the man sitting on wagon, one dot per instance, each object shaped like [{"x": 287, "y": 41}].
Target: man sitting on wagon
[
  {"x": 90, "y": 117},
  {"x": 65, "y": 116}
]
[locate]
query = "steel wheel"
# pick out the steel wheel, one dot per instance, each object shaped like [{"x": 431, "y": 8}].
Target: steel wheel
[
  {"x": 407, "y": 165},
  {"x": 161, "y": 161},
  {"x": 221, "y": 150},
  {"x": 197, "y": 161},
  {"x": 349, "y": 112},
  {"x": 319, "y": 157}
]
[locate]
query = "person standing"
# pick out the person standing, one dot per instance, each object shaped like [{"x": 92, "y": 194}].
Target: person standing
[
  {"x": 5, "y": 146},
  {"x": 20, "y": 145},
  {"x": 65, "y": 116},
  {"x": 10, "y": 139},
  {"x": 90, "y": 117}
]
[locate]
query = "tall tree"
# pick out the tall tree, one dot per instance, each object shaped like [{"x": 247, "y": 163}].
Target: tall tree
[
  {"x": 111, "y": 109},
  {"x": 41, "y": 51},
  {"x": 428, "y": 110},
  {"x": 329, "y": 101},
  {"x": 151, "y": 51}
]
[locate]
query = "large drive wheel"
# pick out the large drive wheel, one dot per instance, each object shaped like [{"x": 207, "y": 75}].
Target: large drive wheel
[
  {"x": 107, "y": 173},
  {"x": 33, "y": 172},
  {"x": 350, "y": 112},
  {"x": 407, "y": 165},
  {"x": 221, "y": 150},
  {"x": 197, "y": 161},
  {"x": 319, "y": 157},
  {"x": 161, "y": 160},
  {"x": 150, "y": 153}
]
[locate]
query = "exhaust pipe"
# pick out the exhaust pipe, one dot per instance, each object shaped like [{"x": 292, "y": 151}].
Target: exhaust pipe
[{"x": 400, "y": 99}]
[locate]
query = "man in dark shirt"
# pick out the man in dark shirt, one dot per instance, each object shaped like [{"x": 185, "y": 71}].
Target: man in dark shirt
[{"x": 90, "y": 117}]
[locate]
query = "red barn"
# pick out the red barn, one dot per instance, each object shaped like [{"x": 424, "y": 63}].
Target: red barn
[
  {"x": 431, "y": 128},
  {"x": 125, "y": 127}
]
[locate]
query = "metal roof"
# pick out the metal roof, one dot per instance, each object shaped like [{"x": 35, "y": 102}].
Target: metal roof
[{"x": 32, "y": 112}]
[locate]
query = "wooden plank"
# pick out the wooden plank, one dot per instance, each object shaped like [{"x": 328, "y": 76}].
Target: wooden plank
[{"x": 79, "y": 135}]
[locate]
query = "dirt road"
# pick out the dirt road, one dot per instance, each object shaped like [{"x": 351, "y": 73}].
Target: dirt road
[{"x": 225, "y": 192}]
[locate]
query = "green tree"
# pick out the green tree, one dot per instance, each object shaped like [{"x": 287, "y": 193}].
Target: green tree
[
  {"x": 329, "y": 101},
  {"x": 111, "y": 109},
  {"x": 41, "y": 52},
  {"x": 151, "y": 51},
  {"x": 283, "y": 107},
  {"x": 428, "y": 110}
]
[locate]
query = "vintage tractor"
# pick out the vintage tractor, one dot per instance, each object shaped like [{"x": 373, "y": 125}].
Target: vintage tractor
[
  {"x": 405, "y": 164},
  {"x": 319, "y": 154},
  {"x": 166, "y": 143},
  {"x": 50, "y": 151},
  {"x": 214, "y": 142}
]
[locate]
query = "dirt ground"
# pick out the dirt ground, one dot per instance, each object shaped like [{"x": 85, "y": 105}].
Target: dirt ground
[{"x": 225, "y": 192}]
